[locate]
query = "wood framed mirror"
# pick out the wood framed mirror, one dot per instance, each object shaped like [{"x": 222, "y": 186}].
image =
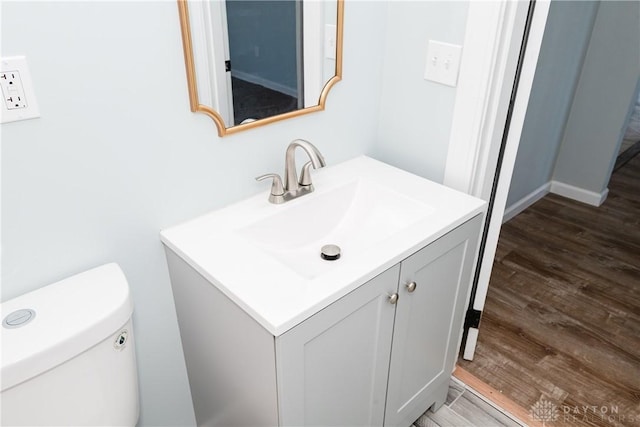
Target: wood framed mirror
[{"x": 254, "y": 62}]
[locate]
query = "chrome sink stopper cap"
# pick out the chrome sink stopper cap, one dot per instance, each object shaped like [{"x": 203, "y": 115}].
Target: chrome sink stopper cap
[{"x": 330, "y": 252}]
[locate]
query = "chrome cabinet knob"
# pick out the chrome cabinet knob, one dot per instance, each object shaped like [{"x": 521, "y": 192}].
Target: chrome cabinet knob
[
  {"x": 411, "y": 286},
  {"x": 393, "y": 298}
]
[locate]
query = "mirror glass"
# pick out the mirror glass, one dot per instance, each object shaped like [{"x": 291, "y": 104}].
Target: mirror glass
[{"x": 251, "y": 62}]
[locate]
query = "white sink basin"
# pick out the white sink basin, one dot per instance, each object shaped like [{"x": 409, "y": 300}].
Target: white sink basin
[
  {"x": 266, "y": 257},
  {"x": 355, "y": 216}
]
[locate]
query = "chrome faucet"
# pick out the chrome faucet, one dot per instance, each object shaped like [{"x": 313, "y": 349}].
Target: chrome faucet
[{"x": 294, "y": 187}]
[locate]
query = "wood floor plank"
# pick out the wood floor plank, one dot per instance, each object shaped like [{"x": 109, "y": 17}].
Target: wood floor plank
[
  {"x": 562, "y": 316},
  {"x": 593, "y": 351}
]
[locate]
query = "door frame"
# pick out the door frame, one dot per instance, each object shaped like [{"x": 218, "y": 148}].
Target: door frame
[
  {"x": 486, "y": 112},
  {"x": 210, "y": 40},
  {"x": 312, "y": 52}
]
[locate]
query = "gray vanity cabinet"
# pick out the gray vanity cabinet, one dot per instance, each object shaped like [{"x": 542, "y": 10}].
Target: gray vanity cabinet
[
  {"x": 332, "y": 369},
  {"x": 433, "y": 290},
  {"x": 275, "y": 336},
  {"x": 380, "y": 355},
  {"x": 367, "y": 352}
]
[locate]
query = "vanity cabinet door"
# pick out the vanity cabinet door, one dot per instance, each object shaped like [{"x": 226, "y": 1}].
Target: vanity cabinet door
[
  {"x": 332, "y": 368},
  {"x": 428, "y": 323}
]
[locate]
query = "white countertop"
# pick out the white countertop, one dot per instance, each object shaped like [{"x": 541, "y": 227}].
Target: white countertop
[{"x": 278, "y": 296}]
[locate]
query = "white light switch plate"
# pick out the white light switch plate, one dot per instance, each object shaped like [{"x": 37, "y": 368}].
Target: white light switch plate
[
  {"x": 443, "y": 63},
  {"x": 18, "y": 98},
  {"x": 330, "y": 41}
]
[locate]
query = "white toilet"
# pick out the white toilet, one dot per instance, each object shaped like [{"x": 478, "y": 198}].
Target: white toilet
[{"x": 68, "y": 354}]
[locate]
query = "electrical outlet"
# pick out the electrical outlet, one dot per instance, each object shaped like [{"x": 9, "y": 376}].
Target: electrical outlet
[
  {"x": 12, "y": 90},
  {"x": 18, "y": 98},
  {"x": 443, "y": 63}
]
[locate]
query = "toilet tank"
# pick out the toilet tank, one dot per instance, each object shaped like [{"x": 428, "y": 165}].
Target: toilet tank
[{"x": 68, "y": 354}]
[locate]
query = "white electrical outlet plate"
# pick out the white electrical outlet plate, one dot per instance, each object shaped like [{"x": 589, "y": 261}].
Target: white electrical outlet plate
[
  {"x": 12, "y": 90},
  {"x": 18, "y": 98},
  {"x": 443, "y": 63}
]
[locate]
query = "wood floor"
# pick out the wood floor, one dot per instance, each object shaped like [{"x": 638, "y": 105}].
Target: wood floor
[
  {"x": 627, "y": 154},
  {"x": 561, "y": 326}
]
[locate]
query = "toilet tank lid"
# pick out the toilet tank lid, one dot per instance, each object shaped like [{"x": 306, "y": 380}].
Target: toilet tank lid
[{"x": 69, "y": 317}]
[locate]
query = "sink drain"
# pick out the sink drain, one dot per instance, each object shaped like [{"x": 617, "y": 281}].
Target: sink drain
[{"x": 330, "y": 252}]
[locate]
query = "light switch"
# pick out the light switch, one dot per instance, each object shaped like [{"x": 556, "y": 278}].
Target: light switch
[
  {"x": 443, "y": 62},
  {"x": 18, "y": 98},
  {"x": 330, "y": 41}
]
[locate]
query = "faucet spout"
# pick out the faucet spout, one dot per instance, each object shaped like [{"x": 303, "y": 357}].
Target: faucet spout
[
  {"x": 294, "y": 188},
  {"x": 290, "y": 173}
]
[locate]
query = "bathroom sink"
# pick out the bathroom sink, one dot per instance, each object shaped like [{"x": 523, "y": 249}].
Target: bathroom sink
[
  {"x": 266, "y": 257},
  {"x": 355, "y": 216}
]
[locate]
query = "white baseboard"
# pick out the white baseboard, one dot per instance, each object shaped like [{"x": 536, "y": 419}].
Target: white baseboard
[
  {"x": 264, "y": 82},
  {"x": 579, "y": 194},
  {"x": 526, "y": 201},
  {"x": 559, "y": 188}
]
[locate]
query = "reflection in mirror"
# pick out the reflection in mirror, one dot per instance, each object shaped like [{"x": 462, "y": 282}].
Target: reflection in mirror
[
  {"x": 251, "y": 62},
  {"x": 265, "y": 58}
]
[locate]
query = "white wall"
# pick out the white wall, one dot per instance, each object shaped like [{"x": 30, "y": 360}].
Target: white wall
[
  {"x": 561, "y": 57},
  {"x": 117, "y": 156},
  {"x": 605, "y": 92},
  {"x": 416, "y": 114}
]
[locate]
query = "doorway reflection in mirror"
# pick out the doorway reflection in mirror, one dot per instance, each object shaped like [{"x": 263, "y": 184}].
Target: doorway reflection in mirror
[
  {"x": 260, "y": 60},
  {"x": 265, "y": 50}
]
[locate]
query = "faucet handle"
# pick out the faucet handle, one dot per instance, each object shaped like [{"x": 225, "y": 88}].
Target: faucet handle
[
  {"x": 305, "y": 175},
  {"x": 277, "y": 190},
  {"x": 276, "y": 185}
]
